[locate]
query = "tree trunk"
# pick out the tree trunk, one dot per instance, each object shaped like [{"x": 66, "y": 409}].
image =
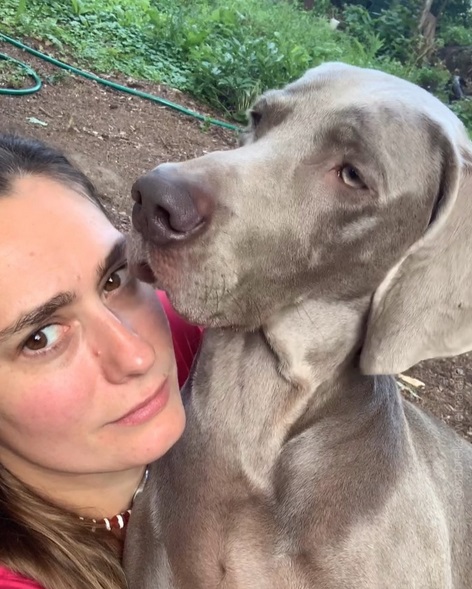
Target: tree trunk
[
  {"x": 427, "y": 29},
  {"x": 425, "y": 14}
]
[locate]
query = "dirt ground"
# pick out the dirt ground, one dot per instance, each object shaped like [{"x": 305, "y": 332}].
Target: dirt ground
[{"x": 115, "y": 138}]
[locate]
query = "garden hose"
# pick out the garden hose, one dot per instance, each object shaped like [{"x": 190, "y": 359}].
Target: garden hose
[
  {"x": 115, "y": 86},
  {"x": 30, "y": 71}
]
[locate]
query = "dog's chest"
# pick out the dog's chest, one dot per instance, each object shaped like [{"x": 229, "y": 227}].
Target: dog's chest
[
  {"x": 226, "y": 540},
  {"x": 217, "y": 531}
]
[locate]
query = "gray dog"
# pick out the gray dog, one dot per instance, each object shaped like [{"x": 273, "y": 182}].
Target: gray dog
[{"x": 333, "y": 246}]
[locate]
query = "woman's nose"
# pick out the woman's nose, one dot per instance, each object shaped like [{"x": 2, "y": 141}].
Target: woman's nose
[{"x": 122, "y": 352}]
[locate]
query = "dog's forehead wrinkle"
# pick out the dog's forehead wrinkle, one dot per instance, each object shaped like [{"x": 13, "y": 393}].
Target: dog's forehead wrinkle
[
  {"x": 345, "y": 135},
  {"x": 339, "y": 86},
  {"x": 274, "y": 109},
  {"x": 357, "y": 229}
]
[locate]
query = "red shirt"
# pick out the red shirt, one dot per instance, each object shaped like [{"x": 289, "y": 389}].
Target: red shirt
[
  {"x": 10, "y": 580},
  {"x": 186, "y": 339}
]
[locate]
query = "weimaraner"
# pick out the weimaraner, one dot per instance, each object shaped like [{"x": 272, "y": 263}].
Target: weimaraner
[{"x": 333, "y": 247}]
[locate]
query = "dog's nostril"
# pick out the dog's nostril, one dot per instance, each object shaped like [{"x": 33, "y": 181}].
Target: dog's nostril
[
  {"x": 136, "y": 195},
  {"x": 163, "y": 216}
]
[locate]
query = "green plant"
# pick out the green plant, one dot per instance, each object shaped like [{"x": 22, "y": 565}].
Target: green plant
[
  {"x": 12, "y": 75},
  {"x": 361, "y": 26},
  {"x": 392, "y": 32},
  {"x": 456, "y": 35},
  {"x": 397, "y": 27},
  {"x": 435, "y": 79},
  {"x": 463, "y": 110},
  {"x": 57, "y": 77}
]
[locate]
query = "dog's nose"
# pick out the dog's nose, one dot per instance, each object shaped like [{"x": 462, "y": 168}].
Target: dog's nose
[{"x": 168, "y": 208}]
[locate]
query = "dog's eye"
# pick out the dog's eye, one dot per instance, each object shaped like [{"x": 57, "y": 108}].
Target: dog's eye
[
  {"x": 350, "y": 176},
  {"x": 256, "y": 117}
]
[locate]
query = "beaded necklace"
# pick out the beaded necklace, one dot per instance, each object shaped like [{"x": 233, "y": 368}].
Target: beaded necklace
[{"x": 120, "y": 520}]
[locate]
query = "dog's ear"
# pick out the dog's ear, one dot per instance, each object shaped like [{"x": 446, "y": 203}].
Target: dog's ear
[{"x": 423, "y": 308}]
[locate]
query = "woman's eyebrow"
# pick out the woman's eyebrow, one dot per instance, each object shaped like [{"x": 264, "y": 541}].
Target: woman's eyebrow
[
  {"x": 39, "y": 314},
  {"x": 42, "y": 312},
  {"x": 116, "y": 255}
]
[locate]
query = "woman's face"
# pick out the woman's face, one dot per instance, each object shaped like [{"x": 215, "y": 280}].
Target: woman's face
[{"x": 88, "y": 379}]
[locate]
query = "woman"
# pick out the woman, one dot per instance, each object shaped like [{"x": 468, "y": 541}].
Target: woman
[{"x": 89, "y": 391}]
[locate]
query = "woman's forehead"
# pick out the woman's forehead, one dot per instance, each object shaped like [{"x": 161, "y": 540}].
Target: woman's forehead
[
  {"x": 50, "y": 238},
  {"x": 42, "y": 208}
]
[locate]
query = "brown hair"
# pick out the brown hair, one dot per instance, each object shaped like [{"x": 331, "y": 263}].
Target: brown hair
[{"x": 41, "y": 540}]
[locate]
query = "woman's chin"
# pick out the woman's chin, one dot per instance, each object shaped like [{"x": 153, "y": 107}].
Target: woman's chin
[{"x": 164, "y": 431}]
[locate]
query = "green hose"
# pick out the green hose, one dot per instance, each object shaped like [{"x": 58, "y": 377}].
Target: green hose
[
  {"x": 103, "y": 81},
  {"x": 29, "y": 71}
]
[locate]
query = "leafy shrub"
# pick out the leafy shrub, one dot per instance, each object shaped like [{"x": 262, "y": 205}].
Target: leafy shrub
[
  {"x": 397, "y": 27},
  {"x": 392, "y": 31},
  {"x": 361, "y": 25},
  {"x": 456, "y": 35},
  {"x": 236, "y": 50},
  {"x": 463, "y": 110}
]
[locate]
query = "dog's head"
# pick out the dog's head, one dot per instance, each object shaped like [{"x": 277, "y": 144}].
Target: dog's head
[{"x": 348, "y": 183}]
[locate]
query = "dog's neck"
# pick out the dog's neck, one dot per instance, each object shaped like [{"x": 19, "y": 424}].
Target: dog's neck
[
  {"x": 268, "y": 385},
  {"x": 313, "y": 340}
]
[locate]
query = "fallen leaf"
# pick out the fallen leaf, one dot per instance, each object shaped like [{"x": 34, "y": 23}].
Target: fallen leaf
[
  {"x": 414, "y": 382},
  {"x": 35, "y": 121}
]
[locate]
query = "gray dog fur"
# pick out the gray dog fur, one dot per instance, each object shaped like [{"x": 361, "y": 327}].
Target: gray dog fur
[{"x": 300, "y": 468}]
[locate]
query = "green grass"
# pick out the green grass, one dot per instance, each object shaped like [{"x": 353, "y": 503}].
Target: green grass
[{"x": 222, "y": 53}]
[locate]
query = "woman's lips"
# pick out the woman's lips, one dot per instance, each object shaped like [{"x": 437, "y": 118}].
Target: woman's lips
[{"x": 148, "y": 408}]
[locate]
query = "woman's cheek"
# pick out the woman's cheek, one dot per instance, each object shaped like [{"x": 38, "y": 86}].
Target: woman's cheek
[{"x": 55, "y": 405}]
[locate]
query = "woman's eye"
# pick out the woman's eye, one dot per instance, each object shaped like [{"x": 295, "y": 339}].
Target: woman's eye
[
  {"x": 116, "y": 279},
  {"x": 44, "y": 338},
  {"x": 350, "y": 176}
]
